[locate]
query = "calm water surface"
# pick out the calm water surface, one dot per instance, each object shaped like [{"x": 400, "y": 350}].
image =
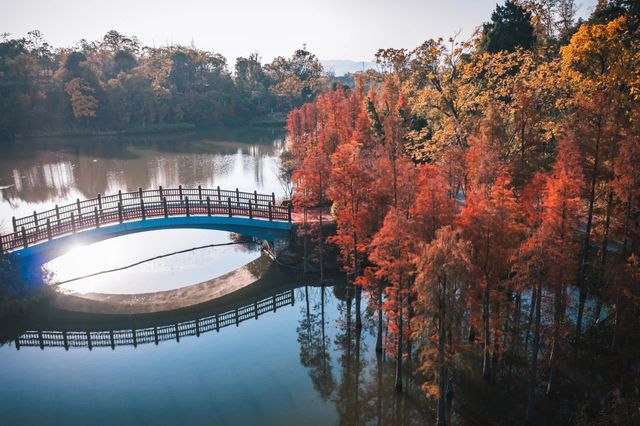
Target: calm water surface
[{"x": 300, "y": 364}]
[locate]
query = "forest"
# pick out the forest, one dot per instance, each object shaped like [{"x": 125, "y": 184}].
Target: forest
[
  {"x": 117, "y": 84},
  {"x": 486, "y": 194}
]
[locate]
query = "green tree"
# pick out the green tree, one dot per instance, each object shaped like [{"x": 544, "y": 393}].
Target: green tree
[{"x": 510, "y": 28}]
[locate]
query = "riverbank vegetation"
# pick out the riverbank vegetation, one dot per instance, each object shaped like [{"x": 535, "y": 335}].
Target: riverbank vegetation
[
  {"x": 487, "y": 199},
  {"x": 116, "y": 84}
]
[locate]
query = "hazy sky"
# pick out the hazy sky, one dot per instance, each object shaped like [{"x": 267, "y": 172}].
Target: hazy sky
[{"x": 332, "y": 29}]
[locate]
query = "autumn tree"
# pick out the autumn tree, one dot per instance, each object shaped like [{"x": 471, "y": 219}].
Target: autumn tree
[
  {"x": 550, "y": 255},
  {"x": 443, "y": 266}
]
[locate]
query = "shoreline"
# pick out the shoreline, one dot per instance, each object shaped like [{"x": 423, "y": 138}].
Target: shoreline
[{"x": 151, "y": 130}]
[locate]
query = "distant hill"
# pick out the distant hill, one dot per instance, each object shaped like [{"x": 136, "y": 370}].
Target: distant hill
[{"x": 341, "y": 67}]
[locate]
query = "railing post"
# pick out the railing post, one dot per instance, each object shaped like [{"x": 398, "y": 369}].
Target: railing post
[
  {"x": 49, "y": 235},
  {"x": 120, "y": 215},
  {"x": 197, "y": 327},
  {"x": 255, "y": 309},
  {"x": 164, "y": 207},
  {"x": 15, "y": 227},
  {"x": 219, "y": 199},
  {"x": 180, "y": 191},
  {"x": 273, "y": 302},
  {"x": 140, "y": 192},
  {"x": 100, "y": 203},
  {"x": 135, "y": 339},
  {"x": 25, "y": 242},
  {"x": 58, "y": 215},
  {"x": 160, "y": 188},
  {"x": 1, "y": 246},
  {"x": 177, "y": 333},
  {"x": 186, "y": 205},
  {"x": 35, "y": 219},
  {"x": 237, "y": 318},
  {"x": 250, "y": 211},
  {"x": 96, "y": 216},
  {"x": 199, "y": 192},
  {"x": 273, "y": 198},
  {"x": 289, "y": 212},
  {"x": 217, "y": 323},
  {"x": 208, "y": 206},
  {"x": 79, "y": 209},
  {"x": 238, "y": 197},
  {"x": 120, "y": 196},
  {"x": 255, "y": 196},
  {"x": 73, "y": 223},
  {"x": 144, "y": 216},
  {"x": 229, "y": 206},
  {"x": 270, "y": 212}
]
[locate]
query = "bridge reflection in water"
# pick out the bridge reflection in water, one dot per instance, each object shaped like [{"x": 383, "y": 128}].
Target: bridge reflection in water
[{"x": 156, "y": 334}]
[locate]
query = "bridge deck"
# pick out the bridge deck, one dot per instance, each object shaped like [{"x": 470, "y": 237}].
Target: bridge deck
[{"x": 140, "y": 205}]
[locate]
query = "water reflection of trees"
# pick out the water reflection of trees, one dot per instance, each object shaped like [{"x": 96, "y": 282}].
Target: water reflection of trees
[
  {"x": 85, "y": 168},
  {"x": 315, "y": 344},
  {"x": 360, "y": 382}
]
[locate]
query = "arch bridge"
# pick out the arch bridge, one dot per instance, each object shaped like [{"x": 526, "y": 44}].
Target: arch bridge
[{"x": 46, "y": 234}]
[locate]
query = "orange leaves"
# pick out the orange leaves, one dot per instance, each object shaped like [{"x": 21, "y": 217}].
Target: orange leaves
[{"x": 433, "y": 207}]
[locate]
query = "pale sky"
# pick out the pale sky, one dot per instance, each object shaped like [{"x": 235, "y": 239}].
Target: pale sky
[{"x": 332, "y": 29}]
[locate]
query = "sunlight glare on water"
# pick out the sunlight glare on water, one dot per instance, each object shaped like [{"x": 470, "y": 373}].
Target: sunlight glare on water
[{"x": 166, "y": 273}]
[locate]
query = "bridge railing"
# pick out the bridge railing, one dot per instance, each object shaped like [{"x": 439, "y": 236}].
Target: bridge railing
[
  {"x": 134, "y": 337},
  {"x": 140, "y": 205}
]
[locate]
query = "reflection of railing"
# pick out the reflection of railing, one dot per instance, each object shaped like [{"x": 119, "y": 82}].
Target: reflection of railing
[
  {"x": 140, "y": 205},
  {"x": 135, "y": 337}
]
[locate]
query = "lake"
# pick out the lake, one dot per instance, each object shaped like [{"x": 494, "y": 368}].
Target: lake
[{"x": 281, "y": 352}]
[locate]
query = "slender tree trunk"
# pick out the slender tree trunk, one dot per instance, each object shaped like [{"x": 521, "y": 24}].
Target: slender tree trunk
[
  {"x": 399, "y": 347},
  {"x": 304, "y": 245},
  {"x": 531, "y": 397},
  {"x": 380, "y": 321},
  {"x": 587, "y": 242},
  {"x": 442, "y": 379},
  {"x": 555, "y": 347},
  {"x": 515, "y": 339},
  {"x": 358, "y": 288},
  {"x": 321, "y": 251},
  {"x": 379, "y": 367},
  {"x": 357, "y": 378},
  {"x": 486, "y": 360},
  {"x": 530, "y": 321}
]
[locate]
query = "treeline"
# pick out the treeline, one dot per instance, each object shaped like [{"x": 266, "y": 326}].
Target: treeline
[
  {"x": 487, "y": 199},
  {"x": 118, "y": 84}
]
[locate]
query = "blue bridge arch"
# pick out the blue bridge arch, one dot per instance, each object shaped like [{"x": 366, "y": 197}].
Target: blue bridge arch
[{"x": 43, "y": 236}]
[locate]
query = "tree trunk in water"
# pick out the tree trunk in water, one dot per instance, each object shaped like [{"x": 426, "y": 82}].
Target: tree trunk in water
[
  {"x": 515, "y": 338},
  {"x": 531, "y": 311},
  {"x": 380, "y": 328},
  {"x": 531, "y": 397},
  {"x": 304, "y": 244},
  {"x": 441, "y": 348},
  {"x": 555, "y": 347},
  {"x": 358, "y": 288},
  {"x": 581, "y": 302},
  {"x": 357, "y": 378},
  {"x": 582, "y": 281},
  {"x": 358, "y": 304},
  {"x": 486, "y": 360},
  {"x": 321, "y": 252},
  {"x": 398, "y": 383}
]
